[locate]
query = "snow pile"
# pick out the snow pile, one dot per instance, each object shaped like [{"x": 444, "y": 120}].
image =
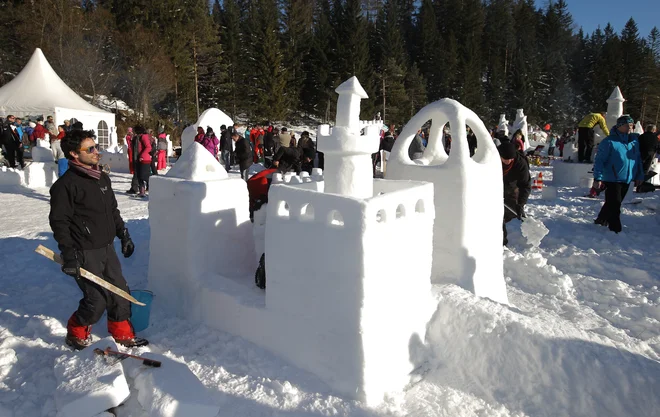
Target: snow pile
[
  {"x": 172, "y": 390},
  {"x": 534, "y": 231},
  {"x": 89, "y": 384},
  {"x": 467, "y": 233},
  {"x": 638, "y": 128},
  {"x": 213, "y": 118},
  {"x": 534, "y": 362},
  {"x": 197, "y": 164}
]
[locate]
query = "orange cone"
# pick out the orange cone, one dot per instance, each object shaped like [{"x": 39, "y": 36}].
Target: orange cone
[{"x": 538, "y": 182}]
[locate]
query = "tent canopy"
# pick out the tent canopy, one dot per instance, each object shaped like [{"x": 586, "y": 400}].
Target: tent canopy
[{"x": 37, "y": 90}]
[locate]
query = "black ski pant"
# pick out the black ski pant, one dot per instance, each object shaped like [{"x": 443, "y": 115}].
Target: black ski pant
[
  {"x": 615, "y": 192},
  {"x": 585, "y": 144},
  {"x": 135, "y": 186},
  {"x": 14, "y": 154},
  {"x": 143, "y": 170},
  {"x": 104, "y": 264}
]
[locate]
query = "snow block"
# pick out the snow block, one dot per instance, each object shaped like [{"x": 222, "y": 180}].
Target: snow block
[
  {"x": 40, "y": 174},
  {"x": 211, "y": 216},
  {"x": 467, "y": 234},
  {"x": 118, "y": 162},
  {"x": 42, "y": 152},
  {"x": 571, "y": 174},
  {"x": 348, "y": 311},
  {"x": 11, "y": 176},
  {"x": 89, "y": 384},
  {"x": 172, "y": 390},
  {"x": 210, "y": 117}
]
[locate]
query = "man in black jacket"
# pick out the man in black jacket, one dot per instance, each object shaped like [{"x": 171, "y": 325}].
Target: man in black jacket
[
  {"x": 287, "y": 159},
  {"x": 517, "y": 183},
  {"x": 85, "y": 220},
  {"x": 12, "y": 142},
  {"x": 649, "y": 142}
]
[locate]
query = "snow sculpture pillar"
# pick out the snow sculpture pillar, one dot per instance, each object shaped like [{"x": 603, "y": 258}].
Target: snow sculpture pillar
[
  {"x": 348, "y": 170},
  {"x": 503, "y": 125},
  {"x": 614, "y": 107},
  {"x": 113, "y": 145},
  {"x": 638, "y": 128},
  {"x": 467, "y": 234},
  {"x": 521, "y": 124}
]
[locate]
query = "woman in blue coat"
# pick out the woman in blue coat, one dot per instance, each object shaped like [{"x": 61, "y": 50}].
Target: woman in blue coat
[{"x": 618, "y": 163}]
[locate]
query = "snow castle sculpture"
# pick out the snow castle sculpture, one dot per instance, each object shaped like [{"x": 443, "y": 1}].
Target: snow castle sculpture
[
  {"x": 503, "y": 125},
  {"x": 467, "y": 234},
  {"x": 349, "y": 304}
]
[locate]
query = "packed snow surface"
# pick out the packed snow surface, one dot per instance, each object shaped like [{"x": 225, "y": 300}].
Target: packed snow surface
[{"x": 581, "y": 336}]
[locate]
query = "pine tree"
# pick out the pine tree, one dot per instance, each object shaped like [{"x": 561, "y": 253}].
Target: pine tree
[
  {"x": 233, "y": 45},
  {"x": 429, "y": 49},
  {"x": 270, "y": 73},
  {"x": 471, "y": 64},
  {"x": 497, "y": 51},
  {"x": 416, "y": 90},
  {"x": 297, "y": 38},
  {"x": 317, "y": 88},
  {"x": 634, "y": 79}
]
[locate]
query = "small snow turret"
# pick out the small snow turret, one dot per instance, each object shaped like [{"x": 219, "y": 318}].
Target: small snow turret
[
  {"x": 614, "y": 107},
  {"x": 347, "y": 152}
]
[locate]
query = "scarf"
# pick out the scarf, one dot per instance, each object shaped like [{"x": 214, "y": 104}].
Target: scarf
[{"x": 92, "y": 172}]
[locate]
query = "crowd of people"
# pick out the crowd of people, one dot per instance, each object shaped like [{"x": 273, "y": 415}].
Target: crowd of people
[{"x": 16, "y": 135}]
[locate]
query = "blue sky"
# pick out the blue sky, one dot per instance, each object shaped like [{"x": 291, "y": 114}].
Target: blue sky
[{"x": 591, "y": 13}]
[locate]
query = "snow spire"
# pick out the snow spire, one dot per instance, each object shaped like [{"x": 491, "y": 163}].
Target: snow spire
[
  {"x": 348, "y": 169},
  {"x": 348, "y": 105},
  {"x": 614, "y": 107}
]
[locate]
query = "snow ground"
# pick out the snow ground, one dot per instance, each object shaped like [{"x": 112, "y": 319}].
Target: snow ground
[{"x": 581, "y": 338}]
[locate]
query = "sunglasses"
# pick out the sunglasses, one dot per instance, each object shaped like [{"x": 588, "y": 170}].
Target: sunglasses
[{"x": 91, "y": 149}]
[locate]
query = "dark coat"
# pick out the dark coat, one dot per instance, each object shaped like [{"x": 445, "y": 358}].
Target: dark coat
[
  {"x": 648, "y": 146},
  {"x": 83, "y": 212},
  {"x": 225, "y": 140},
  {"x": 289, "y": 158},
  {"x": 517, "y": 183},
  {"x": 243, "y": 153},
  {"x": 9, "y": 137}
]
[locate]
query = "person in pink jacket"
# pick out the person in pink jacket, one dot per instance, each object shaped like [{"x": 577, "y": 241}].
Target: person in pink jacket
[
  {"x": 211, "y": 142},
  {"x": 144, "y": 158}
]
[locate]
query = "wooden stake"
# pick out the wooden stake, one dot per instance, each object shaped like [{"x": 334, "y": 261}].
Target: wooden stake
[{"x": 44, "y": 251}]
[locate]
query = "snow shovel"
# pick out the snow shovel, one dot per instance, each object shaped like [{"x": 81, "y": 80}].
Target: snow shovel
[
  {"x": 42, "y": 250},
  {"x": 514, "y": 212}
]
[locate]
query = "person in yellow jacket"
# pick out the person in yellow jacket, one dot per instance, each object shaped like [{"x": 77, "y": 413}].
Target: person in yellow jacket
[{"x": 586, "y": 134}]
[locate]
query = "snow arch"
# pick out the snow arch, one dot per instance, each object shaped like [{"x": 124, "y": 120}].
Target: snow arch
[{"x": 467, "y": 233}]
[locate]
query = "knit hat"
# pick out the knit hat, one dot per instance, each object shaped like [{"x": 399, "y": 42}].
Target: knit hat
[
  {"x": 304, "y": 134},
  {"x": 624, "y": 120},
  {"x": 32, "y": 125},
  {"x": 507, "y": 150},
  {"x": 309, "y": 153}
]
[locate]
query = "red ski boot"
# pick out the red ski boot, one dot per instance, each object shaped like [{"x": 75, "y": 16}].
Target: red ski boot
[
  {"x": 124, "y": 335},
  {"x": 77, "y": 336}
]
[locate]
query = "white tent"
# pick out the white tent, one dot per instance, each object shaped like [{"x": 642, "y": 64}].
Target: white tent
[{"x": 38, "y": 91}]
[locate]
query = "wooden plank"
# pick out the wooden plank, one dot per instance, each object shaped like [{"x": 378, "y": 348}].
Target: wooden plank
[{"x": 44, "y": 251}]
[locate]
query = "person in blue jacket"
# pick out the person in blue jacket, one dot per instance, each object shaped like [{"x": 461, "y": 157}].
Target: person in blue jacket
[{"x": 618, "y": 163}]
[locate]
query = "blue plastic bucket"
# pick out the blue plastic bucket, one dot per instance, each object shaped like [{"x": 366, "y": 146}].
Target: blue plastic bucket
[{"x": 140, "y": 314}]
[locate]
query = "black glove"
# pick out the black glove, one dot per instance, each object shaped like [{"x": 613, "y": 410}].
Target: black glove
[
  {"x": 520, "y": 211},
  {"x": 127, "y": 246},
  {"x": 71, "y": 262}
]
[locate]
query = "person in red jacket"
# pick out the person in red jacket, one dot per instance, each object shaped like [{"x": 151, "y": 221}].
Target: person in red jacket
[
  {"x": 257, "y": 142},
  {"x": 200, "y": 135},
  {"x": 39, "y": 132},
  {"x": 142, "y": 146}
]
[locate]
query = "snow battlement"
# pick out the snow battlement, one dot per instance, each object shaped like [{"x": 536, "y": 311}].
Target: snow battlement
[
  {"x": 393, "y": 201},
  {"x": 304, "y": 180}
]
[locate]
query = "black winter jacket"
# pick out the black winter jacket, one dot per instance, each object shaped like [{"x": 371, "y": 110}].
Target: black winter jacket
[
  {"x": 289, "y": 158},
  {"x": 648, "y": 146},
  {"x": 83, "y": 212},
  {"x": 517, "y": 181},
  {"x": 243, "y": 153}
]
